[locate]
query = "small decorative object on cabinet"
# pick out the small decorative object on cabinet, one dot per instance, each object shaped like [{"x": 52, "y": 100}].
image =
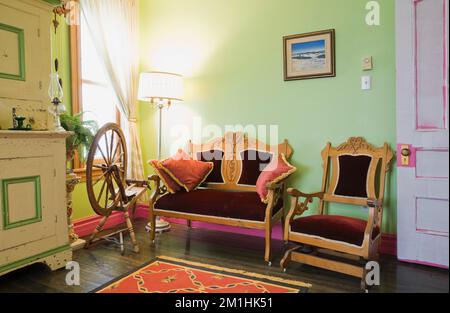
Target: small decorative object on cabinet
[
  {"x": 33, "y": 218},
  {"x": 354, "y": 174}
]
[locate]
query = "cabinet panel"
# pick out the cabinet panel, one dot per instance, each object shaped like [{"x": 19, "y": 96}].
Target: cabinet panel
[
  {"x": 25, "y": 61},
  {"x": 27, "y": 201}
]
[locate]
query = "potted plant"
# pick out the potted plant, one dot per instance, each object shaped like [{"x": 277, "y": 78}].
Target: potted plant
[{"x": 84, "y": 132}]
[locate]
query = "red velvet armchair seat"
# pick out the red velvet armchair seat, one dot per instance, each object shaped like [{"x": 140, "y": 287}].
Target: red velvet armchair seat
[
  {"x": 334, "y": 227},
  {"x": 228, "y": 195}
]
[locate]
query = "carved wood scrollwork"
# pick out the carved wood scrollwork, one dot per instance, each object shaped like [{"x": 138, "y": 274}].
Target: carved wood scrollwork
[
  {"x": 356, "y": 144},
  {"x": 231, "y": 170}
]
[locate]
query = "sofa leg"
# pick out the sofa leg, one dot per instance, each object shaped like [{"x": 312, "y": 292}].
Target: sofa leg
[
  {"x": 268, "y": 243},
  {"x": 152, "y": 221}
]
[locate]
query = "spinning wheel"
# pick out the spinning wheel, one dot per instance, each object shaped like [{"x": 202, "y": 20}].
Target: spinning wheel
[{"x": 107, "y": 187}]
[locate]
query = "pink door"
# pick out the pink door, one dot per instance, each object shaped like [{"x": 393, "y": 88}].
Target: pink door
[{"x": 422, "y": 131}]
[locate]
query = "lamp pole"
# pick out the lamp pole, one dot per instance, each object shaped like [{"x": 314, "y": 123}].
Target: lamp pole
[
  {"x": 160, "y": 88},
  {"x": 160, "y": 225}
]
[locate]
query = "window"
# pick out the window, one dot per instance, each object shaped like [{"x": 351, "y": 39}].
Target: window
[{"x": 91, "y": 92}]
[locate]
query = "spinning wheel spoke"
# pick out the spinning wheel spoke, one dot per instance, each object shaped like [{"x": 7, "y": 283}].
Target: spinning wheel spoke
[
  {"x": 117, "y": 159},
  {"x": 106, "y": 198},
  {"x": 115, "y": 152},
  {"x": 103, "y": 154},
  {"x": 111, "y": 147},
  {"x": 99, "y": 178},
  {"x": 107, "y": 149},
  {"x": 101, "y": 192}
]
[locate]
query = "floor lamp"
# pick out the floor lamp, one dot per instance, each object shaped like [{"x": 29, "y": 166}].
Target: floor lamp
[{"x": 160, "y": 89}]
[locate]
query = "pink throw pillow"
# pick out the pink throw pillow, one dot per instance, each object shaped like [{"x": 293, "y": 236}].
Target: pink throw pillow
[{"x": 275, "y": 172}]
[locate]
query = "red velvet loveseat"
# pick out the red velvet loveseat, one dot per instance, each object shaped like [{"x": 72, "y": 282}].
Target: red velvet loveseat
[{"x": 228, "y": 196}]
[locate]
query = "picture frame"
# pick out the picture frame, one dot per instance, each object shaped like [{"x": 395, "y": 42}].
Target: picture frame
[{"x": 309, "y": 55}]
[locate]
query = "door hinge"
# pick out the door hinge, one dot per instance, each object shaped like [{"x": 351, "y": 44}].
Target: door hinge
[
  {"x": 39, "y": 32},
  {"x": 56, "y": 219},
  {"x": 40, "y": 84},
  {"x": 54, "y": 172}
]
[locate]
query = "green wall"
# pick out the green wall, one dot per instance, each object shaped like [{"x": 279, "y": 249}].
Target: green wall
[{"x": 231, "y": 55}]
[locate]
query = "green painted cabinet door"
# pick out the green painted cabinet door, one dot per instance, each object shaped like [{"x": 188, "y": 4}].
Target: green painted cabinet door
[
  {"x": 27, "y": 209},
  {"x": 25, "y": 60}
]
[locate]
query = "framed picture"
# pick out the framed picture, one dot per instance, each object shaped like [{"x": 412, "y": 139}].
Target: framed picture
[{"x": 310, "y": 55}]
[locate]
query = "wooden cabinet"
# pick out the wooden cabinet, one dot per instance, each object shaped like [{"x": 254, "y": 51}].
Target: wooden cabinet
[{"x": 33, "y": 218}]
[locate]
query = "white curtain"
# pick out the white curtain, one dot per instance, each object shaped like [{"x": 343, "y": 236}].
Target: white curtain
[{"x": 113, "y": 25}]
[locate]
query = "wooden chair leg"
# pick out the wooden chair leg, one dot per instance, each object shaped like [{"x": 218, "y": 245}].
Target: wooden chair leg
[
  {"x": 268, "y": 243},
  {"x": 97, "y": 229},
  {"x": 286, "y": 259},
  {"x": 363, "y": 284},
  {"x": 283, "y": 225},
  {"x": 131, "y": 230},
  {"x": 152, "y": 221}
]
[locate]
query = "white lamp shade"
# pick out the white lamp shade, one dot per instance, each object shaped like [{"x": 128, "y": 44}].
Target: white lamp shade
[{"x": 160, "y": 85}]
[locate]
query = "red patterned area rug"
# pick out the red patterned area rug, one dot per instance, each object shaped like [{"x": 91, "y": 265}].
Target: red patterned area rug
[{"x": 171, "y": 275}]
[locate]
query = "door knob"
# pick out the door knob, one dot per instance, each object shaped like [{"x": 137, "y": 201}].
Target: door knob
[{"x": 406, "y": 152}]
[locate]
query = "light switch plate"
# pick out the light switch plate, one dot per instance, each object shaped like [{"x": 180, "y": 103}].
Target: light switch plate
[
  {"x": 367, "y": 63},
  {"x": 366, "y": 83}
]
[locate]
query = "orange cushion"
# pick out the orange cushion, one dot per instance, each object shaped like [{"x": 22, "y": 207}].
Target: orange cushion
[
  {"x": 334, "y": 227},
  {"x": 187, "y": 173},
  {"x": 170, "y": 184},
  {"x": 275, "y": 172}
]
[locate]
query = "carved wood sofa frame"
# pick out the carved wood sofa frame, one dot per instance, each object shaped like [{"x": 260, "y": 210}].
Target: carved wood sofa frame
[
  {"x": 232, "y": 144},
  {"x": 380, "y": 163}
]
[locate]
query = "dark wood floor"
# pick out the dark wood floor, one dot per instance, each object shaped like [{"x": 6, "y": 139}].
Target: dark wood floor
[{"x": 103, "y": 263}]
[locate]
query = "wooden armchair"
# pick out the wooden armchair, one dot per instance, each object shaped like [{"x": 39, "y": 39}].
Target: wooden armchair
[{"x": 353, "y": 174}]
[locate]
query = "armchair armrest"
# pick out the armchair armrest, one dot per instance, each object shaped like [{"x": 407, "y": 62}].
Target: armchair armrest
[
  {"x": 298, "y": 208},
  {"x": 374, "y": 218}
]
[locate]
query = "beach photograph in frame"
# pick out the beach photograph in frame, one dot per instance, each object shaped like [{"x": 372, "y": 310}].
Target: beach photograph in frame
[{"x": 310, "y": 55}]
